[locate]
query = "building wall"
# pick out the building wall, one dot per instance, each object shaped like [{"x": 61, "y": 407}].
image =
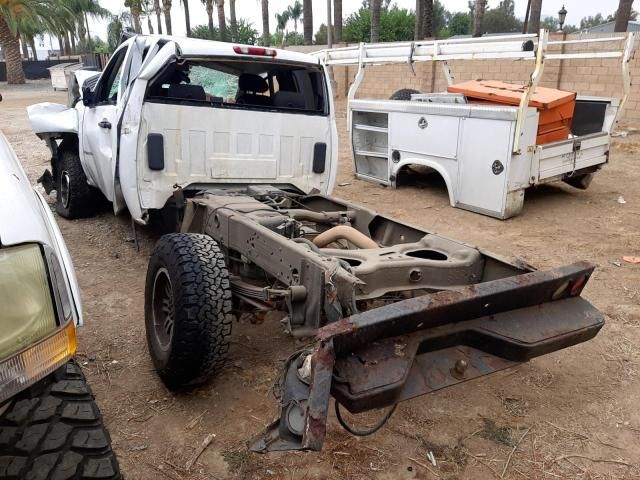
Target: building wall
[{"x": 600, "y": 77}]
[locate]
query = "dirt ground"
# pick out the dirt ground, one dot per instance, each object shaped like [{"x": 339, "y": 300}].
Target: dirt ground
[{"x": 572, "y": 414}]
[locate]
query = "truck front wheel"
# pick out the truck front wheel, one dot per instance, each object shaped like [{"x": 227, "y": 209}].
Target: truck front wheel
[
  {"x": 187, "y": 309},
  {"x": 74, "y": 196},
  {"x": 54, "y": 430}
]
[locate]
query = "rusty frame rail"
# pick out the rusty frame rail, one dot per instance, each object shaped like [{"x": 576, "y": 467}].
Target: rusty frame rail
[{"x": 399, "y": 351}]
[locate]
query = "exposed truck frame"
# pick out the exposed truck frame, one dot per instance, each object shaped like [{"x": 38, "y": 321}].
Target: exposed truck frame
[
  {"x": 487, "y": 155},
  {"x": 394, "y": 311}
]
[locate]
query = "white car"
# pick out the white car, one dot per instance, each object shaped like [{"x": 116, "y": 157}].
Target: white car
[
  {"x": 169, "y": 116},
  {"x": 50, "y": 425}
]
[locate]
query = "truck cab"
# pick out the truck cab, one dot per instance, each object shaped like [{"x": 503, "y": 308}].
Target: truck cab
[{"x": 171, "y": 116}]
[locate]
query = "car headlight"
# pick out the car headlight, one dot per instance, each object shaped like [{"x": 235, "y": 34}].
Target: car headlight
[
  {"x": 27, "y": 312},
  {"x": 37, "y": 334}
]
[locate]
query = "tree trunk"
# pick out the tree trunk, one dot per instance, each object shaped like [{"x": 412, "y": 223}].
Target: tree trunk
[
  {"x": 67, "y": 44},
  {"x": 25, "y": 47},
  {"x": 623, "y": 15},
  {"x": 307, "y": 21},
  {"x": 222, "y": 22},
  {"x": 32, "y": 44},
  {"x": 149, "y": 25},
  {"x": 234, "y": 22},
  {"x": 375, "y": 20},
  {"x": 136, "y": 22},
  {"x": 418, "y": 33},
  {"x": 89, "y": 42},
  {"x": 166, "y": 7},
  {"x": 337, "y": 21},
  {"x": 427, "y": 28},
  {"x": 209, "y": 7},
  {"x": 156, "y": 8},
  {"x": 74, "y": 49},
  {"x": 266, "y": 36},
  {"x": 534, "y": 16},
  {"x": 11, "y": 48},
  {"x": 478, "y": 14},
  {"x": 187, "y": 20}
]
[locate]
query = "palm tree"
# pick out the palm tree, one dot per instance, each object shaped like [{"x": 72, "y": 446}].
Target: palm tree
[
  {"x": 307, "y": 21},
  {"x": 282, "y": 19},
  {"x": 115, "y": 28},
  {"x": 46, "y": 12},
  {"x": 147, "y": 10},
  {"x": 135, "y": 7},
  {"x": 209, "y": 6},
  {"x": 222, "y": 22},
  {"x": 294, "y": 12},
  {"x": 418, "y": 32},
  {"x": 187, "y": 20},
  {"x": 534, "y": 16},
  {"x": 232, "y": 19},
  {"x": 427, "y": 18},
  {"x": 266, "y": 35},
  {"x": 337, "y": 20},
  {"x": 375, "y": 20},
  {"x": 623, "y": 15},
  {"x": 156, "y": 8},
  {"x": 166, "y": 7},
  {"x": 478, "y": 15}
]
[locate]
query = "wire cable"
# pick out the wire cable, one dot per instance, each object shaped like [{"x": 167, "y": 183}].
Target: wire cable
[{"x": 364, "y": 433}]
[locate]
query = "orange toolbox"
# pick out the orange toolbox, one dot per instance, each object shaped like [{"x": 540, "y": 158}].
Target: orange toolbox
[{"x": 555, "y": 106}]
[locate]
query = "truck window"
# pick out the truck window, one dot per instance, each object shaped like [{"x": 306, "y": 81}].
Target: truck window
[
  {"x": 242, "y": 84},
  {"x": 110, "y": 81}
]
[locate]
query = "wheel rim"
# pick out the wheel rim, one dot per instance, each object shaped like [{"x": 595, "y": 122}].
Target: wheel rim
[
  {"x": 163, "y": 309},
  {"x": 65, "y": 188}
]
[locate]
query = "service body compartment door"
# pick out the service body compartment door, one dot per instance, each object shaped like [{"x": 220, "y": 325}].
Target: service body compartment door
[
  {"x": 431, "y": 135},
  {"x": 485, "y": 152}
]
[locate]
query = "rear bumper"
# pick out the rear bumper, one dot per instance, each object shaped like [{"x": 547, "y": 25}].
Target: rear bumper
[{"x": 416, "y": 346}]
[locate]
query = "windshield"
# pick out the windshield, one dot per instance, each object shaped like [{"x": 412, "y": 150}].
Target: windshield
[{"x": 232, "y": 83}]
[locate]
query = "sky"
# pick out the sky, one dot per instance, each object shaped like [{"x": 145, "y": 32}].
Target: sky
[{"x": 250, "y": 9}]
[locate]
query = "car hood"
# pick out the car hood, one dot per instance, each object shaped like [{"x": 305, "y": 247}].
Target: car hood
[{"x": 21, "y": 215}]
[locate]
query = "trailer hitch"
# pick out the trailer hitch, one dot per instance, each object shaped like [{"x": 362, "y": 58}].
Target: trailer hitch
[{"x": 386, "y": 355}]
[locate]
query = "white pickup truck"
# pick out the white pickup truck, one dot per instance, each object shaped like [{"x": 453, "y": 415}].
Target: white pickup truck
[
  {"x": 142, "y": 129},
  {"x": 242, "y": 141}
]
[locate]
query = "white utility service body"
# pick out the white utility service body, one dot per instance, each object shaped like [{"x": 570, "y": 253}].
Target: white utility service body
[
  {"x": 203, "y": 142},
  {"x": 487, "y": 155}
]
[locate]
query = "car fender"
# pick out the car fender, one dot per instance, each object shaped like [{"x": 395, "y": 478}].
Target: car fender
[{"x": 52, "y": 119}]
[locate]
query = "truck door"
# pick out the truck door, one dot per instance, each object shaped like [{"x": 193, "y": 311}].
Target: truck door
[{"x": 99, "y": 125}]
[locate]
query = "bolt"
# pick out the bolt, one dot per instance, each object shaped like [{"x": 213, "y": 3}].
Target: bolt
[{"x": 461, "y": 366}]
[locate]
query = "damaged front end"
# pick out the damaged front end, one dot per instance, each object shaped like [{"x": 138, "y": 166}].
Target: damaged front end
[{"x": 416, "y": 346}]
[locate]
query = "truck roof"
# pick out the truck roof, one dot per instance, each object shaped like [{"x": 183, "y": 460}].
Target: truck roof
[
  {"x": 21, "y": 216},
  {"x": 194, "y": 47}
]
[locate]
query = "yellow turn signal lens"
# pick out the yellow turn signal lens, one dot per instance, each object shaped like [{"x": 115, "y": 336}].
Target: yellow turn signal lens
[{"x": 34, "y": 363}]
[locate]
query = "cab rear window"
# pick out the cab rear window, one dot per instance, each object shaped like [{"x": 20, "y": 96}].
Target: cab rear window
[{"x": 230, "y": 83}]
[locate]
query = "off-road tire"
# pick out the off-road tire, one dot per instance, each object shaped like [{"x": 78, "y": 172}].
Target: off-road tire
[
  {"x": 200, "y": 300},
  {"x": 54, "y": 431},
  {"x": 81, "y": 198},
  {"x": 403, "y": 94}
]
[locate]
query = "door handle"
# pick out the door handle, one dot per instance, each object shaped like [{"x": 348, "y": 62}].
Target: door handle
[{"x": 105, "y": 124}]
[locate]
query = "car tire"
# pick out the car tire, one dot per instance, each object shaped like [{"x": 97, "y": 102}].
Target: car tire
[
  {"x": 54, "y": 430},
  {"x": 74, "y": 196},
  {"x": 187, "y": 309},
  {"x": 403, "y": 94}
]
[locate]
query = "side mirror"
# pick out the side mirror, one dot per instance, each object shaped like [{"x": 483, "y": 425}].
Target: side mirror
[{"x": 88, "y": 96}]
